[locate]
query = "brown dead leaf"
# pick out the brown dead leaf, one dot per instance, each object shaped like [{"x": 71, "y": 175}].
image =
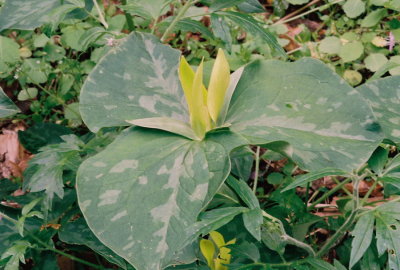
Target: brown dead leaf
[{"x": 13, "y": 157}]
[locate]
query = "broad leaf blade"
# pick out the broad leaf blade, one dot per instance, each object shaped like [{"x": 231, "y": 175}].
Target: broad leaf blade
[
  {"x": 362, "y": 237},
  {"x": 254, "y": 27},
  {"x": 140, "y": 201},
  {"x": 7, "y": 107},
  {"x": 384, "y": 97},
  {"x": 326, "y": 122},
  {"x": 309, "y": 177},
  {"x": 136, "y": 79}
]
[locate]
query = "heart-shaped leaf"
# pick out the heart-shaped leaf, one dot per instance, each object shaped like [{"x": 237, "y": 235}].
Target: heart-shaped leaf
[
  {"x": 326, "y": 122},
  {"x": 141, "y": 193}
]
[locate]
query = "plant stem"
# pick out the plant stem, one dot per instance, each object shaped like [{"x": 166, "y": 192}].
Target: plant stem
[
  {"x": 179, "y": 16},
  {"x": 320, "y": 8},
  {"x": 256, "y": 170},
  {"x": 370, "y": 190},
  {"x": 47, "y": 247},
  {"x": 329, "y": 193},
  {"x": 129, "y": 19},
  {"x": 101, "y": 16},
  {"x": 331, "y": 241}
]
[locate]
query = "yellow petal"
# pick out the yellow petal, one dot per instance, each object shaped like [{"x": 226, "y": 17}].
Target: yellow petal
[
  {"x": 200, "y": 119},
  {"x": 186, "y": 76},
  {"x": 219, "y": 83},
  {"x": 196, "y": 97},
  {"x": 208, "y": 250},
  {"x": 217, "y": 238}
]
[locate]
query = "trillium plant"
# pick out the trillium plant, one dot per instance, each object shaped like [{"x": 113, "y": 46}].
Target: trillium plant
[{"x": 142, "y": 196}]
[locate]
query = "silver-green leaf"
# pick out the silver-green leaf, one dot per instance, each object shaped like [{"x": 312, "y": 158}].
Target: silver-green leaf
[
  {"x": 325, "y": 121},
  {"x": 141, "y": 193},
  {"x": 136, "y": 79}
]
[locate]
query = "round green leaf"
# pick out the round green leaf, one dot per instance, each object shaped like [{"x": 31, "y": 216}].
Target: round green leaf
[
  {"x": 351, "y": 51},
  {"x": 27, "y": 94},
  {"x": 330, "y": 45},
  {"x": 145, "y": 189},
  {"x": 353, "y": 77},
  {"x": 325, "y": 121},
  {"x": 384, "y": 98},
  {"x": 354, "y": 8},
  {"x": 137, "y": 79},
  {"x": 9, "y": 52},
  {"x": 375, "y": 61}
]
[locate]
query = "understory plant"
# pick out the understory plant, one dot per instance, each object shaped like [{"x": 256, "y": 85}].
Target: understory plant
[{"x": 143, "y": 194}]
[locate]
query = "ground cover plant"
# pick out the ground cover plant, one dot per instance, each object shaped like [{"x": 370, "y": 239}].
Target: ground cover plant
[{"x": 182, "y": 135}]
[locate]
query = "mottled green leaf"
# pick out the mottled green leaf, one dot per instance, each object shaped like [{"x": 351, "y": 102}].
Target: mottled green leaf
[
  {"x": 384, "y": 97},
  {"x": 26, "y": 15},
  {"x": 362, "y": 237},
  {"x": 7, "y": 107},
  {"x": 145, "y": 189},
  {"x": 325, "y": 121},
  {"x": 137, "y": 79}
]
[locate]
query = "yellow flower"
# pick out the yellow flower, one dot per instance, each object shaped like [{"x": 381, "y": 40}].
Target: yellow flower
[
  {"x": 205, "y": 106},
  {"x": 216, "y": 252}
]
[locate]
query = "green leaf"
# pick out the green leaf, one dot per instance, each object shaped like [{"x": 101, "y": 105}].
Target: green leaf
[
  {"x": 354, "y": 8},
  {"x": 42, "y": 134},
  {"x": 395, "y": 60},
  {"x": 362, "y": 237},
  {"x": 252, "y": 221},
  {"x": 170, "y": 177},
  {"x": 213, "y": 220},
  {"x": 17, "y": 254},
  {"x": 330, "y": 45},
  {"x": 138, "y": 80},
  {"x": 221, "y": 30},
  {"x": 384, "y": 97},
  {"x": 244, "y": 192},
  {"x": 314, "y": 175},
  {"x": 374, "y": 17},
  {"x": 378, "y": 160},
  {"x": 375, "y": 61},
  {"x": 251, "y": 6},
  {"x": 27, "y": 94},
  {"x": 325, "y": 121},
  {"x": 221, "y": 4},
  {"x": 351, "y": 51},
  {"x": 152, "y": 9},
  {"x": 319, "y": 264},
  {"x": 45, "y": 170},
  {"x": 298, "y": 2},
  {"x": 353, "y": 77},
  {"x": 77, "y": 232},
  {"x": 7, "y": 107},
  {"x": 9, "y": 52},
  {"x": 388, "y": 238},
  {"x": 193, "y": 26},
  {"x": 254, "y": 27}
]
